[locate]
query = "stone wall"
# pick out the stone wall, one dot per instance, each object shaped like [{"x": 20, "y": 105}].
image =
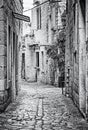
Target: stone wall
[
  {"x": 71, "y": 61},
  {"x": 76, "y": 61},
  {"x": 41, "y": 38},
  {"x": 7, "y": 25}
]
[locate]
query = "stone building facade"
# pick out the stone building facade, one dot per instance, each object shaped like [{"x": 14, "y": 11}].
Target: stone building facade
[
  {"x": 10, "y": 41},
  {"x": 76, "y": 56},
  {"x": 46, "y": 21},
  {"x": 41, "y": 28}
]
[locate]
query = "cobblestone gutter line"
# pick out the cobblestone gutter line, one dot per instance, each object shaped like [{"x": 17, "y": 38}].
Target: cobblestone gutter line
[{"x": 39, "y": 115}]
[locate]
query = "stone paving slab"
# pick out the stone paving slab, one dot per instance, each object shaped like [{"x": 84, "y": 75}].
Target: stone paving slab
[{"x": 41, "y": 107}]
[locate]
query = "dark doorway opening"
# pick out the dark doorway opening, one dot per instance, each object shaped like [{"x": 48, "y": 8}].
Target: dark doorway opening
[
  {"x": 37, "y": 65},
  {"x": 23, "y": 65},
  {"x": 37, "y": 59}
]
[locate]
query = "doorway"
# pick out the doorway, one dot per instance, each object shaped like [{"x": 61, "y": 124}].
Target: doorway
[
  {"x": 23, "y": 66},
  {"x": 37, "y": 65}
]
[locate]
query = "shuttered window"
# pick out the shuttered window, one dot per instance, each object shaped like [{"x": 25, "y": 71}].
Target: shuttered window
[{"x": 39, "y": 18}]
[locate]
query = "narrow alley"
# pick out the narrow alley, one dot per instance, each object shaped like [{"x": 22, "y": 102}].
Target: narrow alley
[{"x": 41, "y": 107}]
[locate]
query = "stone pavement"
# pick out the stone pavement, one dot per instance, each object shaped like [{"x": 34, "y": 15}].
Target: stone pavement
[{"x": 41, "y": 107}]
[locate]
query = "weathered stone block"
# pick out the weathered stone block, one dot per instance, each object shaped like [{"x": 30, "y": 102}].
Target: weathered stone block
[
  {"x": 1, "y": 26},
  {"x": 3, "y": 61},
  {"x": 3, "y": 96},
  {"x": 2, "y": 50},
  {"x": 1, "y": 14},
  {"x": 3, "y": 84},
  {"x": 2, "y": 38},
  {"x": 1, "y": 3},
  {"x": 3, "y": 72}
]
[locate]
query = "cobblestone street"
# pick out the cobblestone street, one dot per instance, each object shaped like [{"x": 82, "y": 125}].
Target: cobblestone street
[{"x": 41, "y": 107}]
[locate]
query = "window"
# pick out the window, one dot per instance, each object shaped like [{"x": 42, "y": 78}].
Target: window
[
  {"x": 83, "y": 6},
  {"x": 39, "y": 18}
]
